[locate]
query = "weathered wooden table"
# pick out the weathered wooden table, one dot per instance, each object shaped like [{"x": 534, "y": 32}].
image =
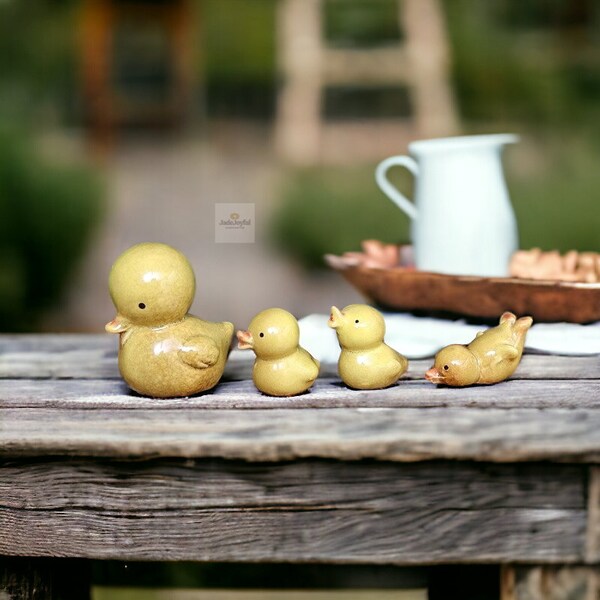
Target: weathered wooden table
[{"x": 411, "y": 475}]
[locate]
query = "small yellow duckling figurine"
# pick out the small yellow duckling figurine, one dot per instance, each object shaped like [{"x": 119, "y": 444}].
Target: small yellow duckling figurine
[
  {"x": 366, "y": 361},
  {"x": 491, "y": 357},
  {"x": 282, "y": 367},
  {"x": 164, "y": 351}
]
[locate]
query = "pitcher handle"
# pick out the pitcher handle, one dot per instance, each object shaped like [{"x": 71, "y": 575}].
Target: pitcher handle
[{"x": 389, "y": 190}]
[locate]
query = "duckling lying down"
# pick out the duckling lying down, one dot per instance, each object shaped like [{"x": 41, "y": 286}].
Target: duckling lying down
[{"x": 491, "y": 357}]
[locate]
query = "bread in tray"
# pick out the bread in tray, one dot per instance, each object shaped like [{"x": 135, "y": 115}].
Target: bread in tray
[{"x": 574, "y": 266}]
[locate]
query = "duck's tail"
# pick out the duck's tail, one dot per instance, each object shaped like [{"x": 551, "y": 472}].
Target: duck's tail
[
  {"x": 523, "y": 324},
  {"x": 228, "y": 329},
  {"x": 520, "y": 326},
  {"x": 508, "y": 317}
]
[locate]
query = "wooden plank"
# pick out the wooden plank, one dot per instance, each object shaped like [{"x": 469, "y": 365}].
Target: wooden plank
[
  {"x": 410, "y": 434},
  {"x": 48, "y": 342},
  {"x": 44, "y": 579},
  {"x": 173, "y": 484},
  {"x": 549, "y": 583},
  {"x": 93, "y": 363},
  {"x": 44, "y": 356},
  {"x": 308, "y": 511},
  {"x": 326, "y": 393},
  {"x": 84, "y": 356}
]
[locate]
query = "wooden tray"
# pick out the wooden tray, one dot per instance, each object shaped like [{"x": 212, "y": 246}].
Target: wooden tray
[{"x": 403, "y": 288}]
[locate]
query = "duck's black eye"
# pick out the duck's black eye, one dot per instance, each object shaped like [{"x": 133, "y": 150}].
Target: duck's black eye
[
  {"x": 142, "y": 305},
  {"x": 261, "y": 334},
  {"x": 356, "y": 321},
  {"x": 446, "y": 367}
]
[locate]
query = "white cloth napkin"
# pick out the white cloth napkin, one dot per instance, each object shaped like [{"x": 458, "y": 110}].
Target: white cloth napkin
[{"x": 420, "y": 337}]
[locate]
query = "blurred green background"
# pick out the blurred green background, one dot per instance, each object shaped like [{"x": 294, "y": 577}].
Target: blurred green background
[{"x": 532, "y": 67}]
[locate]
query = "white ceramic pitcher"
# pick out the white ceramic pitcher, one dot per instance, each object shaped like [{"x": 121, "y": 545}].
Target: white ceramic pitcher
[{"x": 462, "y": 219}]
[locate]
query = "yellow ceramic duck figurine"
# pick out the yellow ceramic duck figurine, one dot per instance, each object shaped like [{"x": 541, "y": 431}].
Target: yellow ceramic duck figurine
[
  {"x": 491, "y": 357},
  {"x": 163, "y": 351},
  {"x": 282, "y": 367},
  {"x": 366, "y": 361}
]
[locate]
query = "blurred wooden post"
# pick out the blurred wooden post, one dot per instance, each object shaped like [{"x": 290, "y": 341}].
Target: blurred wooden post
[
  {"x": 180, "y": 33},
  {"x": 428, "y": 53},
  {"x": 308, "y": 65},
  {"x": 99, "y": 21},
  {"x": 549, "y": 583},
  {"x": 299, "y": 107}
]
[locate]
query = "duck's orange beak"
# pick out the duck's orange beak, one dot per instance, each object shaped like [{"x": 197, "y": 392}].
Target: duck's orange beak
[
  {"x": 118, "y": 325},
  {"x": 434, "y": 375},
  {"x": 335, "y": 318},
  {"x": 245, "y": 340}
]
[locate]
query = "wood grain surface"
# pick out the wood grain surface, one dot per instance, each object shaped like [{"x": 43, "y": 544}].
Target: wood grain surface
[
  {"x": 90, "y": 394},
  {"x": 63, "y": 395},
  {"x": 286, "y": 434},
  {"x": 311, "y": 510}
]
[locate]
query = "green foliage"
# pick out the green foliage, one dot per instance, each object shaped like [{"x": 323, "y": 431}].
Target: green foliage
[
  {"x": 332, "y": 210},
  {"x": 557, "y": 207},
  {"x": 491, "y": 79},
  {"x": 361, "y": 22},
  {"x": 47, "y": 213},
  {"x": 519, "y": 62},
  {"x": 237, "y": 57},
  {"x": 239, "y": 40},
  {"x": 38, "y": 58}
]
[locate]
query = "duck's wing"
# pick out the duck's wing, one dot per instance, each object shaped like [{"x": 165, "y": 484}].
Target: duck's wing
[
  {"x": 505, "y": 353},
  {"x": 221, "y": 332},
  {"x": 199, "y": 352}
]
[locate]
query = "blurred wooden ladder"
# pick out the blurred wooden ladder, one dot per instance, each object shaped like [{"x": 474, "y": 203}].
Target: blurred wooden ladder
[{"x": 307, "y": 65}]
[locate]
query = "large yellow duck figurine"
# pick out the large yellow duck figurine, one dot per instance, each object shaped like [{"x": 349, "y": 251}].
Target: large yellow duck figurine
[
  {"x": 366, "y": 361},
  {"x": 163, "y": 351},
  {"x": 282, "y": 367},
  {"x": 491, "y": 357}
]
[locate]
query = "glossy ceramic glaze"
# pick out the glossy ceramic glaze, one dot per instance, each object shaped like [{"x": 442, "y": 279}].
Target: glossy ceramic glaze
[
  {"x": 366, "y": 361},
  {"x": 163, "y": 351},
  {"x": 462, "y": 219},
  {"x": 282, "y": 367},
  {"x": 491, "y": 357}
]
